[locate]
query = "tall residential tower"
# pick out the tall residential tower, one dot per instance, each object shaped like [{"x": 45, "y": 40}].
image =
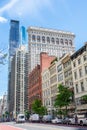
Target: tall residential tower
[
  {"x": 19, "y": 81},
  {"x": 13, "y": 45},
  {"x": 13, "y": 37}
]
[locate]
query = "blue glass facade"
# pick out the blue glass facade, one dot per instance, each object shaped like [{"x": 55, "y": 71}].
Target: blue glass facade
[
  {"x": 23, "y": 35},
  {"x": 14, "y": 37}
]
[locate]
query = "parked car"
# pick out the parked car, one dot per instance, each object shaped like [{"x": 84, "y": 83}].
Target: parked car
[
  {"x": 82, "y": 119},
  {"x": 34, "y": 118},
  {"x": 20, "y": 118},
  {"x": 72, "y": 121},
  {"x": 57, "y": 120},
  {"x": 66, "y": 120},
  {"x": 47, "y": 118}
]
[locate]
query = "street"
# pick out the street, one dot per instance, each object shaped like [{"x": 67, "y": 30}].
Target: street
[{"x": 37, "y": 126}]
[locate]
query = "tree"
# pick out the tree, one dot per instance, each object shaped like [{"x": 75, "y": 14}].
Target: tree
[
  {"x": 63, "y": 98},
  {"x": 27, "y": 114},
  {"x": 38, "y": 108},
  {"x": 84, "y": 98},
  {"x": 6, "y": 114}
]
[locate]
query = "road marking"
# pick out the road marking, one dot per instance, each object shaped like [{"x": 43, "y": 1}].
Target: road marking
[{"x": 45, "y": 127}]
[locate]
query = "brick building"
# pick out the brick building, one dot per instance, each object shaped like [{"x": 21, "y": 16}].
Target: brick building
[{"x": 35, "y": 79}]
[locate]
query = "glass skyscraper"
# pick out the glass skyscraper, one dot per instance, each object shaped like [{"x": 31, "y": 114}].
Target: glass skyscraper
[
  {"x": 14, "y": 37},
  {"x": 23, "y": 35},
  {"x": 14, "y": 40}
]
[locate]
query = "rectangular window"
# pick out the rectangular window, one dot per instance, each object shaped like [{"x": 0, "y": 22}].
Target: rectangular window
[
  {"x": 82, "y": 86},
  {"x": 85, "y": 57},
  {"x": 80, "y": 72},
  {"x": 66, "y": 74},
  {"x": 85, "y": 69},
  {"x": 59, "y": 68},
  {"x": 60, "y": 77},
  {"x": 79, "y": 61},
  {"x": 75, "y": 75},
  {"x": 74, "y": 64},
  {"x": 76, "y": 88}
]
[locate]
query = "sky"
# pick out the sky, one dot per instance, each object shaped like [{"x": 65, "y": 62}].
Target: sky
[{"x": 67, "y": 15}]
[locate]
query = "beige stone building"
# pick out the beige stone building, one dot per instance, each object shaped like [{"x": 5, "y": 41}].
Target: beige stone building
[
  {"x": 79, "y": 69},
  {"x": 59, "y": 72},
  {"x": 70, "y": 70}
]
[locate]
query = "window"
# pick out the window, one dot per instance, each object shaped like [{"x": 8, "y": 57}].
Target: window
[
  {"x": 70, "y": 42},
  {"x": 60, "y": 77},
  {"x": 52, "y": 40},
  {"x": 76, "y": 88},
  {"x": 66, "y": 74},
  {"x": 61, "y": 41},
  {"x": 48, "y": 39},
  {"x": 85, "y": 57},
  {"x": 43, "y": 39},
  {"x": 82, "y": 86},
  {"x": 57, "y": 41},
  {"x": 33, "y": 38},
  {"x": 79, "y": 61},
  {"x": 80, "y": 72},
  {"x": 74, "y": 64},
  {"x": 85, "y": 69},
  {"x": 75, "y": 75},
  {"x": 66, "y": 41},
  {"x": 59, "y": 68},
  {"x": 38, "y": 38}
]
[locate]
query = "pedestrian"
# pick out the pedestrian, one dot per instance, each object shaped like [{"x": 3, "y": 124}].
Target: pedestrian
[{"x": 76, "y": 120}]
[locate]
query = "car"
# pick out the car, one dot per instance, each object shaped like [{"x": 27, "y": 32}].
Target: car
[
  {"x": 66, "y": 120},
  {"x": 82, "y": 119},
  {"x": 56, "y": 120},
  {"x": 20, "y": 118},
  {"x": 34, "y": 118},
  {"x": 47, "y": 118},
  {"x": 72, "y": 121}
]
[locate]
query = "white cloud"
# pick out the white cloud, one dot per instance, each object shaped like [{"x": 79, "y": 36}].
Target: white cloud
[
  {"x": 8, "y": 6},
  {"x": 3, "y": 20},
  {"x": 25, "y": 7}
]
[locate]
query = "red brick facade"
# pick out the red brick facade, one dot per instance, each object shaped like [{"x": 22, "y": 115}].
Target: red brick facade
[
  {"x": 35, "y": 84},
  {"x": 45, "y": 60}
]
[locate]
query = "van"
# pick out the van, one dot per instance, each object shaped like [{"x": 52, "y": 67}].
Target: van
[{"x": 20, "y": 118}]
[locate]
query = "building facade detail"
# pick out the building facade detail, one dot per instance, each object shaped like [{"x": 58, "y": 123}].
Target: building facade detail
[{"x": 53, "y": 42}]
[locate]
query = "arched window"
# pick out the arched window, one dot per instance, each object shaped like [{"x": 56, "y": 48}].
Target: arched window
[
  {"x": 33, "y": 38},
  {"x": 38, "y": 38},
  {"x": 43, "y": 39},
  {"x": 70, "y": 42},
  {"x": 61, "y": 40},
  {"x": 52, "y": 40},
  {"x": 57, "y": 41},
  {"x": 48, "y": 39},
  {"x": 66, "y": 41}
]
